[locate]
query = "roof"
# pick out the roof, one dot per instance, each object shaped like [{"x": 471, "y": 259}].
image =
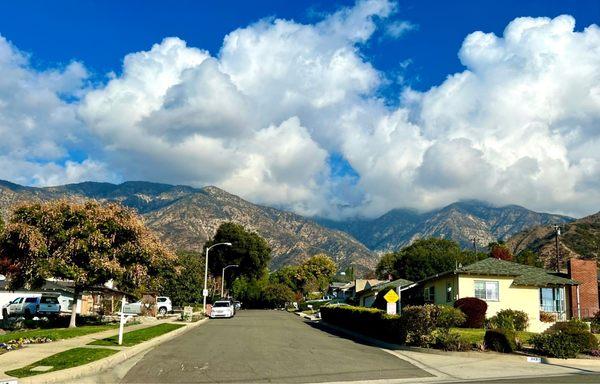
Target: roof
[
  {"x": 64, "y": 286},
  {"x": 524, "y": 275},
  {"x": 337, "y": 284},
  {"x": 385, "y": 285},
  {"x": 392, "y": 284},
  {"x": 364, "y": 284}
]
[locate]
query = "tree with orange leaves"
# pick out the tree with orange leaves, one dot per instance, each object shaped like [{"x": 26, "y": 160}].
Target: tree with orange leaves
[{"x": 88, "y": 243}]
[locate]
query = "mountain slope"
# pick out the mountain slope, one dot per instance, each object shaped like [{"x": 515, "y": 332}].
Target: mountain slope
[
  {"x": 186, "y": 217},
  {"x": 580, "y": 238},
  {"x": 462, "y": 221}
]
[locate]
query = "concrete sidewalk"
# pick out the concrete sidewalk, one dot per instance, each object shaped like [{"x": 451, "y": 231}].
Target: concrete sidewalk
[
  {"x": 473, "y": 366},
  {"x": 34, "y": 352}
]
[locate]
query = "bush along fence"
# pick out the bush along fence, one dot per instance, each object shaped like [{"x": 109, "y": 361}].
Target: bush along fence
[{"x": 424, "y": 326}]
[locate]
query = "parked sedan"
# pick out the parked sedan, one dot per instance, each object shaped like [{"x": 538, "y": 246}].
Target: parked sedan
[{"x": 222, "y": 309}]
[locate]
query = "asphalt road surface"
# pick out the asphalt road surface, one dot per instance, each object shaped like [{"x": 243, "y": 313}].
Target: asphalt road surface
[{"x": 265, "y": 346}]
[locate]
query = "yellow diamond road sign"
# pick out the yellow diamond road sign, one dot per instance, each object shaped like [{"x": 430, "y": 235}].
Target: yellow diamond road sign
[{"x": 391, "y": 296}]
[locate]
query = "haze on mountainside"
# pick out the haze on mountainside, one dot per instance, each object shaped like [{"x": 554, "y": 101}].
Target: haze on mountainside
[{"x": 295, "y": 115}]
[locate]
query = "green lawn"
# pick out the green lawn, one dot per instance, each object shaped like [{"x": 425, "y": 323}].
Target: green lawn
[
  {"x": 63, "y": 360},
  {"x": 139, "y": 335},
  {"x": 56, "y": 333},
  {"x": 475, "y": 335}
]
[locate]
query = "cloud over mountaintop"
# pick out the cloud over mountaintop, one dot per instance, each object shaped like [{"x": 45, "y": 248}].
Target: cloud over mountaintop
[{"x": 273, "y": 115}]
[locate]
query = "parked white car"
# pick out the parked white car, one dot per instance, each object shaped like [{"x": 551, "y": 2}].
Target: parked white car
[
  {"x": 164, "y": 305},
  {"x": 222, "y": 309}
]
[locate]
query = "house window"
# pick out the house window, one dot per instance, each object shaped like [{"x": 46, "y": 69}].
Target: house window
[
  {"x": 430, "y": 294},
  {"x": 449, "y": 295},
  {"x": 487, "y": 290},
  {"x": 552, "y": 299}
]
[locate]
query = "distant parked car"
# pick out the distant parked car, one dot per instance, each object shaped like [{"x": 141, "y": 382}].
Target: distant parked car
[
  {"x": 44, "y": 305},
  {"x": 164, "y": 305},
  {"x": 224, "y": 308}
]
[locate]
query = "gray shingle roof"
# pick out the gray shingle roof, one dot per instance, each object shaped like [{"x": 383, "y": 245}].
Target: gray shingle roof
[{"x": 524, "y": 275}]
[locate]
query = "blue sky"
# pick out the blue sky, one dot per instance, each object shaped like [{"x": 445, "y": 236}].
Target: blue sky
[
  {"x": 334, "y": 108},
  {"x": 100, "y": 33}
]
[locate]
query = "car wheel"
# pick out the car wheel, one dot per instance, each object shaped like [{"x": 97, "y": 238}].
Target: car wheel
[
  {"x": 162, "y": 311},
  {"x": 28, "y": 314}
]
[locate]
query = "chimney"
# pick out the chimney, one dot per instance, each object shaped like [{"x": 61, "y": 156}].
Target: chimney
[{"x": 586, "y": 273}]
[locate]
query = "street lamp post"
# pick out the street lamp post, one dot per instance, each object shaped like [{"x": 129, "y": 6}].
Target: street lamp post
[
  {"x": 205, "y": 290},
  {"x": 223, "y": 278}
]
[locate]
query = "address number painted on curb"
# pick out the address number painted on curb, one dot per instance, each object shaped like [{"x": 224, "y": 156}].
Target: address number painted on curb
[{"x": 531, "y": 359}]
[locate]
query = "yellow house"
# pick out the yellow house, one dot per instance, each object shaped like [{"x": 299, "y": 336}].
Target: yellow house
[{"x": 504, "y": 285}]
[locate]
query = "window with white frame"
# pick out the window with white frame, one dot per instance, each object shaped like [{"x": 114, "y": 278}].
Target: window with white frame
[{"x": 487, "y": 290}]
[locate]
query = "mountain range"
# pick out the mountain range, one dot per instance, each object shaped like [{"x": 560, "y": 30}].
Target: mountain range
[
  {"x": 465, "y": 222},
  {"x": 579, "y": 238},
  {"x": 185, "y": 217}
]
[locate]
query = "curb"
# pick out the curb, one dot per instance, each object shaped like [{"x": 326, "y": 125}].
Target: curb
[{"x": 108, "y": 362}]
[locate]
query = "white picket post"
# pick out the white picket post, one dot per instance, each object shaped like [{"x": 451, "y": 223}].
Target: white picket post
[{"x": 122, "y": 322}]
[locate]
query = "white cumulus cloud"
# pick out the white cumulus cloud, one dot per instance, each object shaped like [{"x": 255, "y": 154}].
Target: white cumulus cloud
[{"x": 268, "y": 114}]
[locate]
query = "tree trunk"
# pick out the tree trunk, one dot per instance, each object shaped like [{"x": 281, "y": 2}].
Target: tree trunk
[{"x": 76, "y": 292}]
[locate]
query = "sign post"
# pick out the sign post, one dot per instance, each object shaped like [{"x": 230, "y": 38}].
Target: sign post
[
  {"x": 391, "y": 297},
  {"x": 122, "y": 322}
]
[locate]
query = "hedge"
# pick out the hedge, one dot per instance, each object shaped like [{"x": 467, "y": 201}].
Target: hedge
[
  {"x": 418, "y": 325},
  {"x": 368, "y": 321}
]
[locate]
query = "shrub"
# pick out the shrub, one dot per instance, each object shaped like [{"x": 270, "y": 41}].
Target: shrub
[
  {"x": 578, "y": 331},
  {"x": 420, "y": 322},
  {"x": 565, "y": 339},
  {"x": 474, "y": 309},
  {"x": 450, "y": 317},
  {"x": 451, "y": 341},
  {"x": 595, "y": 323},
  {"x": 368, "y": 321},
  {"x": 500, "y": 340},
  {"x": 558, "y": 345},
  {"x": 510, "y": 319}
]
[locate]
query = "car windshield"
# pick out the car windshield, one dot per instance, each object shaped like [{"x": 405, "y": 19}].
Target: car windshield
[{"x": 221, "y": 304}]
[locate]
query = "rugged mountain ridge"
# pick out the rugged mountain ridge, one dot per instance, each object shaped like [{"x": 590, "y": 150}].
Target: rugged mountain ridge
[
  {"x": 580, "y": 239},
  {"x": 461, "y": 221},
  {"x": 185, "y": 217}
]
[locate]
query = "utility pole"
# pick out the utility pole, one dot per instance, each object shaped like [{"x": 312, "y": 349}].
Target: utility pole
[
  {"x": 474, "y": 244},
  {"x": 557, "y": 234}
]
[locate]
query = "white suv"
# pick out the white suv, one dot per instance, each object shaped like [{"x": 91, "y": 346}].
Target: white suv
[{"x": 164, "y": 305}]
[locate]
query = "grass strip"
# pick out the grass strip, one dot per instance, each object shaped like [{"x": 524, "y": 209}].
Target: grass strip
[
  {"x": 139, "y": 335},
  {"x": 56, "y": 333},
  {"x": 475, "y": 335},
  {"x": 63, "y": 360}
]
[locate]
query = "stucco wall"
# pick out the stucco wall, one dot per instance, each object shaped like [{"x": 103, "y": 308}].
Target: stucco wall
[
  {"x": 526, "y": 299},
  {"x": 440, "y": 289}
]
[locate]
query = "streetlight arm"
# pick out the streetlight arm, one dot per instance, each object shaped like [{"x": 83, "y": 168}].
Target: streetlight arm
[{"x": 205, "y": 290}]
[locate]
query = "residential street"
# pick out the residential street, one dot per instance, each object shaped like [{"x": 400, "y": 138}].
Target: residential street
[{"x": 265, "y": 346}]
